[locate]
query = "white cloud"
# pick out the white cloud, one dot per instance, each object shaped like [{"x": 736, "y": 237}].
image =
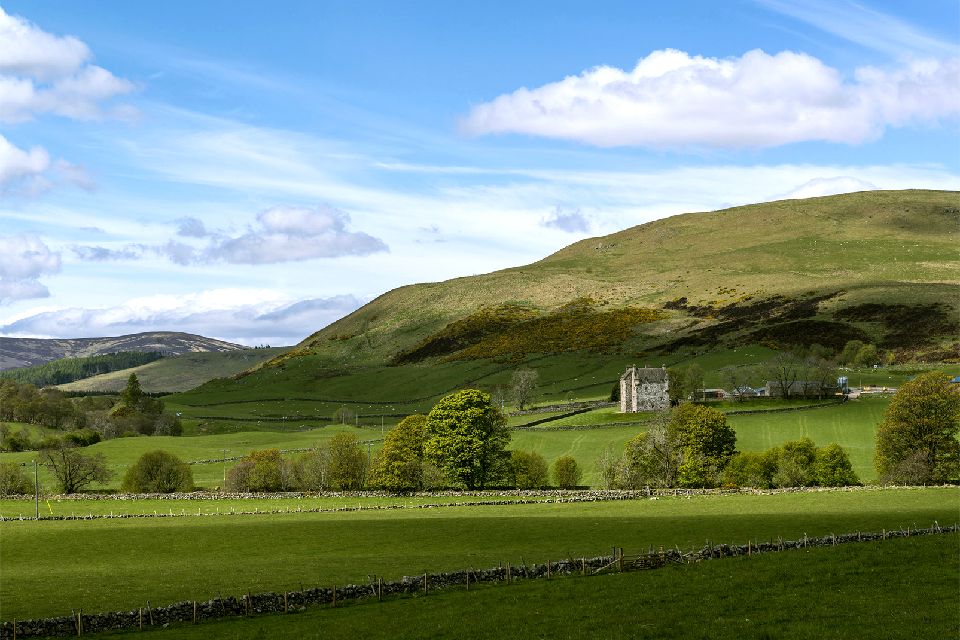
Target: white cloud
[
  {"x": 565, "y": 220},
  {"x": 42, "y": 73},
  {"x": 248, "y": 316},
  {"x": 287, "y": 234},
  {"x": 18, "y": 164},
  {"x": 671, "y": 99},
  {"x": 23, "y": 260},
  {"x": 828, "y": 187}
]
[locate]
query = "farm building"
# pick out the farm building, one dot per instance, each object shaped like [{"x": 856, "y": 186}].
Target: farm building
[
  {"x": 644, "y": 389},
  {"x": 800, "y": 388}
]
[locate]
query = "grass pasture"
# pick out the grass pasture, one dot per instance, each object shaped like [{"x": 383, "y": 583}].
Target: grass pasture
[
  {"x": 876, "y": 590},
  {"x": 120, "y": 564}
]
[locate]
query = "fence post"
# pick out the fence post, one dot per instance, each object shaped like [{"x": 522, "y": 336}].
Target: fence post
[
  {"x": 140, "y": 617},
  {"x": 284, "y": 601},
  {"x": 621, "y": 560},
  {"x": 150, "y": 613},
  {"x": 380, "y": 588},
  {"x": 334, "y": 595},
  {"x": 583, "y": 566},
  {"x": 508, "y": 573},
  {"x": 548, "y": 569},
  {"x": 194, "y": 612},
  {"x": 424, "y": 583},
  {"x": 468, "y": 580}
]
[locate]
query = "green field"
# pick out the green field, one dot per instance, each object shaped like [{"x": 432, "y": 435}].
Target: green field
[
  {"x": 179, "y": 373},
  {"x": 120, "y": 564},
  {"x": 852, "y": 425},
  {"x": 876, "y": 590}
]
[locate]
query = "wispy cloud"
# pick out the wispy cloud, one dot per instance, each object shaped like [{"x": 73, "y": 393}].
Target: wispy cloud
[
  {"x": 671, "y": 99},
  {"x": 248, "y": 316},
  {"x": 867, "y": 27}
]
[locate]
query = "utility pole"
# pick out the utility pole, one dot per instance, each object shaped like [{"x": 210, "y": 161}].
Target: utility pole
[
  {"x": 223, "y": 487},
  {"x": 36, "y": 485}
]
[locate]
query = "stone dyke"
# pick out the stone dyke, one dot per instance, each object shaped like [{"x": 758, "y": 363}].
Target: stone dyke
[{"x": 271, "y": 602}]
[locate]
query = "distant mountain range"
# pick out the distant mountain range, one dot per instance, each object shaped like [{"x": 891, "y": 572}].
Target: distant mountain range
[{"x": 25, "y": 352}]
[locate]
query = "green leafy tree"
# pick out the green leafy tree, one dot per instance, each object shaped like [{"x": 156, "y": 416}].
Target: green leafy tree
[
  {"x": 346, "y": 462},
  {"x": 158, "y": 472},
  {"x": 566, "y": 472},
  {"x": 75, "y": 470},
  {"x": 676, "y": 385},
  {"x": 849, "y": 354},
  {"x": 832, "y": 467},
  {"x": 132, "y": 393},
  {"x": 917, "y": 439},
  {"x": 399, "y": 464},
  {"x": 529, "y": 469},
  {"x": 751, "y": 469},
  {"x": 867, "y": 356},
  {"x": 795, "y": 463},
  {"x": 651, "y": 458},
  {"x": 706, "y": 441},
  {"x": 260, "y": 471},
  {"x": 466, "y": 437},
  {"x": 693, "y": 381},
  {"x": 13, "y": 480}
]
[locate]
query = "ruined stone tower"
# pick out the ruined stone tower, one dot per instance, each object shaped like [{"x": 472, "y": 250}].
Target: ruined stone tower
[{"x": 644, "y": 389}]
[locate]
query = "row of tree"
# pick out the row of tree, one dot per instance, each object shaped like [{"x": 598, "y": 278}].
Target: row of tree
[
  {"x": 69, "y": 369},
  {"x": 133, "y": 413}
]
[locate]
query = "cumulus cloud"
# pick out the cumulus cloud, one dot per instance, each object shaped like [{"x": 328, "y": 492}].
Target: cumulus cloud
[
  {"x": 671, "y": 99},
  {"x": 44, "y": 73},
  {"x": 565, "y": 220},
  {"x": 18, "y": 164},
  {"x": 286, "y": 234},
  {"x": 247, "y": 316},
  {"x": 23, "y": 260},
  {"x": 191, "y": 228},
  {"x": 829, "y": 187}
]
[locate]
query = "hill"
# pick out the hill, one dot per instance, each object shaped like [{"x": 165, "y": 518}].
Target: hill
[
  {"x": 179, "y": 373},
  {"x": 716, "y": 288},
  {"x": 25, "y": 352},
  {"x": 879, "y": 266}
]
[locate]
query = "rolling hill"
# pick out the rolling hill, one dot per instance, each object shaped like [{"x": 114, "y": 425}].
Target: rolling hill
[
  {"x": 718, "y": 288},
  {"x": 179, "y": 373},
  {"x": 25, "y": 352}
]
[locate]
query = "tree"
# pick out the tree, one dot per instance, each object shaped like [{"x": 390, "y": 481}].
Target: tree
[
  {"x": 346, "y": 462},
  {"x": 867, "y": 356},
  {"x": 309, "y": 471},
  {"x": 132, "y": 393},
  {"x": 529, "y": 469},
  {"x": 693, "y": 381},
  {"x": 795, "y": 463},
  {"x": 822, "y": 373},
  {"x": 917, "y": 439},
  {"x": 158, "y": 472},
  {"x": 783, "y": 371},
  {"x": 399, "y": 465},
  {"x": 751, "y": 469},
  {"x": 260, "y": 471},
  {"x": 738, "y": 379},
  {"x": 467, "y": 438},
  {"x": 523, "y": 384},
  {"x": 832, "y": 467},
  {"x": 849, "y": 354},
  {"x": 566, "y": 472},
  {"x": 13, "y": 481},
  {"x": 343, "y": 415},
  {"x": 676, "y": 385},
  {"x": 705, "y": 442},
  {"x": 73, "y": 469},
  {"x": 651, "y": 458}
]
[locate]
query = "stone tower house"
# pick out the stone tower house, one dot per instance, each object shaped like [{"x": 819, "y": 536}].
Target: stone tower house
[{"x": 644, "y": 389}]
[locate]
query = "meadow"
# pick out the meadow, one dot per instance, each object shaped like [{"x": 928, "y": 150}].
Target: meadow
[
  {"x": 876, "y": 590},
  {"x": 51, "y": 567}
]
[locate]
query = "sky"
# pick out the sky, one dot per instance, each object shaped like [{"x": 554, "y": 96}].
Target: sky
[{"x": 253, "y": 171}]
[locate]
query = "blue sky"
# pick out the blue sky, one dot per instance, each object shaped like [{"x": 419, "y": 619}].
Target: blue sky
[{"x": 253, "y": 171}]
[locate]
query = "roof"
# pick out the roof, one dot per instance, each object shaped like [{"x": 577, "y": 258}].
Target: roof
[{"x": 647, "y": 374}]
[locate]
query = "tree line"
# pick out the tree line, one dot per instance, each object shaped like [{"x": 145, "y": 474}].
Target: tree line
[{"x": 70, "y": 369}]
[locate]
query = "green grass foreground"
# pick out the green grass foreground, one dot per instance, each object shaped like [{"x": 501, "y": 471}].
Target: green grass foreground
[
  {"x": 892, "y": 589},
  {"x": 51, "y": 567}
]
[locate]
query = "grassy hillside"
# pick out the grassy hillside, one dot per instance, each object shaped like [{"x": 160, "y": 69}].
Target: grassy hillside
[
  {"x": 735, "y": 271},
  {"x": 179, "y": 373}
]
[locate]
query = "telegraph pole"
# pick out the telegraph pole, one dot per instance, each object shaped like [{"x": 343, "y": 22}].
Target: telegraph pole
[{"x": 36, "y": 485}]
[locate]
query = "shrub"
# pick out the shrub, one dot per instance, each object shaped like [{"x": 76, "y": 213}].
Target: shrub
[
  {"x": 795, "y": 464},
  {"x": 13, "y": 480},
  {"x": 566, "y": 472},
  {"x": 529, "y": 469},
  {"x": 750, "y": 469},
  {"x": 260, "y": 471},
  {"x": 832, "y": 468},
  {"x": 309, "y": 471},
  {"x": 399, "y": 464},
  {"x": 347, "y": 464},
  {"x": 158, "y": 472}
]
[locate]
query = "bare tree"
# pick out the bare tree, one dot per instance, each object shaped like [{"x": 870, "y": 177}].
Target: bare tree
[
  {"x": 73, "y": 469},
  {"x": 784, "y": 371},
  {"x": 738, "y": 379},
  {"x": 523, "y": 385}
]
